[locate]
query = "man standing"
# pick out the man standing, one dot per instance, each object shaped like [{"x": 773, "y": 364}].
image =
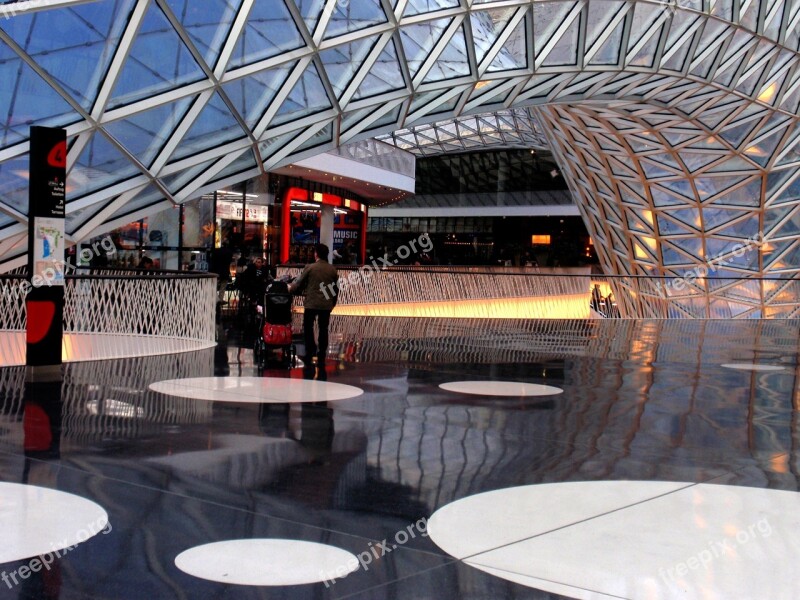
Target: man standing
[
  {"x": 221, "y": 259},
  {"x": 316, "y": 283}
]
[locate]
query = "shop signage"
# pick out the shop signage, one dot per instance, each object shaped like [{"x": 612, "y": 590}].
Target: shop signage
[{"x": 233, "y": 211}]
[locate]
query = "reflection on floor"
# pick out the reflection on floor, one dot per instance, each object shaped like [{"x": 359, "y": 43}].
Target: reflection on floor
[{"x": 648, "y": 402}]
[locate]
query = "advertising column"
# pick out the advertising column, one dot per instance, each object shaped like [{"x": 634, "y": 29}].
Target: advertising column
[{"x": 45, "y": 301}]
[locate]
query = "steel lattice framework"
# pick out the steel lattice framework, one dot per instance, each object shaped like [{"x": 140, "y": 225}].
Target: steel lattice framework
[
  {"x": 676, "y": 125},
  {"x": 512, "y": 128}
]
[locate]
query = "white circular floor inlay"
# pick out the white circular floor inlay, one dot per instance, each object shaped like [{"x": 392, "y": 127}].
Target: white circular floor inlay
[
  {"x": 276, "y": 390},
  {"x": 753, "y": 367},
  {"x": 500, "y": 388},
  {"x": 630, "y": 539},
  {"x": 266, "y": 562},
  {"x": 35, "y": 521}
]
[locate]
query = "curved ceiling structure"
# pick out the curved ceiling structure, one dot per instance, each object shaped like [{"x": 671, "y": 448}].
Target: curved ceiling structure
[{"x": 675, "y": 124}]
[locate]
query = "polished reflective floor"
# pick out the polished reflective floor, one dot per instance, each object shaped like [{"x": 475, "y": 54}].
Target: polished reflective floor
[{"x": 667, "y": 467}]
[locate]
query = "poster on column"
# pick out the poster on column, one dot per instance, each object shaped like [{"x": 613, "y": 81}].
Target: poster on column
[{"x": 48, "y": 250}]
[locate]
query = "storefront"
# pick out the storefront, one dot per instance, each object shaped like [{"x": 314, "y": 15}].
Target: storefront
[{"x": 304, "y": 222}]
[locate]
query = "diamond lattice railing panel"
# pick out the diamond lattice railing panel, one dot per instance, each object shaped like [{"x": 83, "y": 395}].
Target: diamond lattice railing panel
[
  {"x": 158, "y": 305},
  {"x": 666, "y": 116}
]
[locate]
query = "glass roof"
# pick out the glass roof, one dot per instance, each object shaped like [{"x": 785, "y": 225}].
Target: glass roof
[{"x": 173, "y": 97}]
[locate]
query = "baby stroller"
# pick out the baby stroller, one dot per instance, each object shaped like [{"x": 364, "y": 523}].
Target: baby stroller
[{"x": 275, "y": 327}]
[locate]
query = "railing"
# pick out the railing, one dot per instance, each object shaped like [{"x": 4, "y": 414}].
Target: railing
[
  {"x": 622, "y": 296},
  {"x": 113, "y": 314},
  {"x": 460, "y": 292},
  {"x": 155, "y": 303}
]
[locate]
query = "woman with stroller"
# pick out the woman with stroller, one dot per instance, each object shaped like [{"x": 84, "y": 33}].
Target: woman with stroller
[{"x": 255, "y": 279}]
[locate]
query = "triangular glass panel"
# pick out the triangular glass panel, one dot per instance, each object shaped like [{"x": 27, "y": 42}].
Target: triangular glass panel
[
  {"x": 565, "y": 52},
  {"x": 671, "y": 256},
  {"x": 599, "y": 19},
  {"x": 680, "y": 186},
  {"x": 734, "y": 163},
  {"x": 629, "y": 197},
  {"x": 270, "y": 31},
  {"x": 693, "y": 246},
  {"x": 788, "y": 261},
  {"x": 343, "y": 62},
  {"x": 143, "y": 134},
  {"x": 791, "y": 101},
  {"x": 514, "y": 53},
  {"x": 762, "y": 151},
  {"x": 14, "y": 183},
  {"x": 677, "y": 60},
  {"x": 716, "y": 217},
  {"x": 243, "y": 166},
  {"x": 687, "y": 216},
  {"x": 273, "y": 145},
  {"x": 746, "y": 258},
  {"x": 419, "y": 7},
  {"x": 100, "y": 165},
  {"x": 453, "y": 61},
  {"x": 653, "y": 170},
  {"x": 713, "y": 119},
  {"x": 419, "y": 39},
  {"x": 384, "y": 76},
  {"x": 746, "y": 228},
  {"x": 774, "y": 217},
  {"x": 694, "y": 161},
  {"x": 149, "y": 196},
  {"x": 311, "y": 11},
  {"x": 213, "y": 127},
  {"x": 735, "y": 135},
  {"x": 26, "y": 99},
  {"x": 158, "y": 61},
  {"x": 791, "y": 195},
  {"x": 647, "y": 53},
  {"x": 619, "y": 168},
  {"x": 389, "y": 119},
  {"x": 635, "y": 224},
  {"x": 78, "y": 61},
  {"x": 745, "y": 195},
  {"x": 487, "y": 25},
  {"x": 353, "y": 16},
  {"x": 665, "y": 159},
  {"x": 677, "y": 138},
  {"x": 548, "y": 17},
  {"x": 306, "y": 98},
  {"x": 710, "y": 142},
  {"x": 252, "y": 95},
  {"x": 777, "y": 179},
  {"x": 709, "y": 187},
  {"x": 447, "y": 107},
  {"x": 177, "y": 181},
  {"x": 207, "y": 24},
  {"x": 717, "y": 247},
  {"x": 668, "y": 227},
  {"x": 788, "y": 228},
  {"x": 422, "y": 100},
  {"x": 322, "y": 137}
]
